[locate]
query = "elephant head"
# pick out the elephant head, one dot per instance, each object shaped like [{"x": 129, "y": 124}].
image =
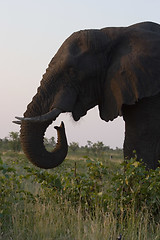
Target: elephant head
[{"x": 110, "y": 67}]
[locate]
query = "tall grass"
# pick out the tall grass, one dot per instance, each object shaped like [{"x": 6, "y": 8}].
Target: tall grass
[
  {"x": 52, "y": 214},
  {"x": 51, "y": 220}
]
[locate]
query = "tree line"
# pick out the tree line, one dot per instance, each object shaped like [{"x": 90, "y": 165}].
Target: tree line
[{"x": 12, "y": 142}]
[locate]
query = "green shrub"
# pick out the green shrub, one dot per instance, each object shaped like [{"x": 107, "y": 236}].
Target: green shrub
[
  {"x": 78, "y": 188},
  {"x": 11, "y": 191},
  {"x": 136, "y": 187},
  {"x": 132, "y": 187},
  {"x": 93, "y": 188}
]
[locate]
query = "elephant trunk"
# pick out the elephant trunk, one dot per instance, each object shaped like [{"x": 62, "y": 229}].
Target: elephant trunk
[
  {"x": 51, "y": 100},
  {"x": 32, "y": 135}
]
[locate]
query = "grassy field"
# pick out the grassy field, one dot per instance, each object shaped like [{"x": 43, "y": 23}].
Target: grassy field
[{"x": 88, "y": 197}]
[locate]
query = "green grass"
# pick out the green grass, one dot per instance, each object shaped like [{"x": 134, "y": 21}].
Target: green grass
[{"x": 45, "y": 211}]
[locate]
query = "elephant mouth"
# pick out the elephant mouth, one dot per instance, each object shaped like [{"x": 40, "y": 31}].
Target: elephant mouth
[
  {"x": 76, "y": 116},
  {"x": 81, "y": 109}
]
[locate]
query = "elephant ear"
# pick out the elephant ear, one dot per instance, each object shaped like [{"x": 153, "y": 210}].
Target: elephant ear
[{"x": 134, "y": 69}]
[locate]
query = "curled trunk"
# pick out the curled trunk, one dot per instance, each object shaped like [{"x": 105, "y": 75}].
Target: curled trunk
[{"x": 32, "y": 135}]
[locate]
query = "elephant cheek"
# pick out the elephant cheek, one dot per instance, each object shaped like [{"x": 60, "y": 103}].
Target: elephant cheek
[{"x": 65, "y": 100}]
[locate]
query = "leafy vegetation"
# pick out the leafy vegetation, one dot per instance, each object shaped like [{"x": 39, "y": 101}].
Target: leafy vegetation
[
  {"x": 11, "y": 143},
  {"x": 90, "y": 196},
  {"x": 74, "y": 146}
]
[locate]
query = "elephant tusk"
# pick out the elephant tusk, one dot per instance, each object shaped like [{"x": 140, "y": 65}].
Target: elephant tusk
[
  {"x": 17, "y": 122},
  {"x": 52, "y": 115}
]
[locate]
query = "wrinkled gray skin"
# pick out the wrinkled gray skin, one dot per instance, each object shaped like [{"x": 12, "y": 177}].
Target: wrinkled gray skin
[{"x": 117, "y": 69}]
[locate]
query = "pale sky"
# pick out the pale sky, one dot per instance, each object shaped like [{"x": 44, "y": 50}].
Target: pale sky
[{"x": 31, "y": 33}]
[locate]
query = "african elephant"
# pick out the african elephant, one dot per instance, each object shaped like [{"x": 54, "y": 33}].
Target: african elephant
[{"x": 116, "y": 68}]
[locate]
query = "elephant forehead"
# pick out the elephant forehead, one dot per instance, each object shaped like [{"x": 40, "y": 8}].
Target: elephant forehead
[
  {"x": 84, "y": 41},
  {"x": 75, "y": 44}
]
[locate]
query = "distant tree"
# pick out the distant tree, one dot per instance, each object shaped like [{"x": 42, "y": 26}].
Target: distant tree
[
  {"x": 49, "y": 143},
  {"x": 52, "y": 141},
  {"x": 74, "y": 146},
  {"x": 46, "y": 141},
  {"x": 98, "y": 148},
  {"x": 89, "y": 146},
  {"x": 4, "y": 144},
  {"x": 107, "y": 148},
  {"x": 1, "y": 143},
  {"x": 14, "y": 140},
  {"x": 118, "y": 150}
]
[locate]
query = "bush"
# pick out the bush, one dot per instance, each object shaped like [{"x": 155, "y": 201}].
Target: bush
[
  {"x": 137, "y": 187},
  {"x": 11, "y": 191},
  {"x": 132, "y": 187},
  {"x": 89, "y": 186},
  {"x": 78, "y": 188}
]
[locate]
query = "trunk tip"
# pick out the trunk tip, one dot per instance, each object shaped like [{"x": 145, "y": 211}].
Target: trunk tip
[{"x": 61, "y": 126}]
